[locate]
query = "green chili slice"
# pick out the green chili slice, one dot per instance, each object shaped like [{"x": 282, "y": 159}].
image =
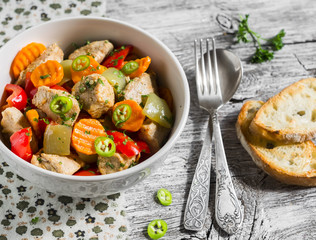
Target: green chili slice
[
  {"x": 164, "y": 197},
  {"x": 80, "y": 63},
  {"x": 130, "y": 67},
  {"x": 60, "y": 104},
  {"x": 157, "y": 229},
  {"x": 104, "y": 146},
  {"x": 122, "y": 113}
]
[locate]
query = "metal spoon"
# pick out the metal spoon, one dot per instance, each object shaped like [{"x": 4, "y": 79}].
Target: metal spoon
[{"x": 227, "y": 210}]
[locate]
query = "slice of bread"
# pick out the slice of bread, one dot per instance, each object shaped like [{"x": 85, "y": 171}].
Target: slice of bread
[
  {"x": 289, "y": 116},
  {"x": 289, "y": 163}
]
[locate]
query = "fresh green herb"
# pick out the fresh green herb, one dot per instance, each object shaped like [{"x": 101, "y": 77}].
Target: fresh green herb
[
  {"x": 59, "y": 138},
  {"x": 27, "y": 134},
  {"x": 35, "y": 220},
  {"x": 262, "y": 54},
  {"x": 60, "y": 163},
  {"x": 39, "y": 160},
  {"x": 73, "y": 116},
  {"x": 111, "y": 137},
  {"x": 45, "y": 76},
  {"x": 82, "y": 89},
  {"x": 110, "y": 165},
  {"x": 87, "y": 132},
  {"x": 100, "y": 81},
  {"x": 87, "y": 42},
  {"x": 122, "y": 164},
  {"x": 45, "y": 120},
  {"x": 125, "y": 141},
  {"x": 98, "y": 67},
  {"x": 35, "y": 119},
  {"x": 106, "y": 101}
]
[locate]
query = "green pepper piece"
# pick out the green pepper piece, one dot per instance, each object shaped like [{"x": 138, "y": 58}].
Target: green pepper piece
[
  {"x": 130, "y": 67},
  {"x": 60, "y": 104},
  {"x": 80, "y": 63},
  {"x": 104, "y": 146},
  {"x": 164, "y": 197},
  {"x": 122, "y": 113},
  {"x": 157, "y": 229}
]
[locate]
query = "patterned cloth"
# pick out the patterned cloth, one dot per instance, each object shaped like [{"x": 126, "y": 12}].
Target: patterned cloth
[{"x": 28, "y": 212}]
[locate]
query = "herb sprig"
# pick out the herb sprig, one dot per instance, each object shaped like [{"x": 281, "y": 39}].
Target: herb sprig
[{"x": 262, "y": 54}]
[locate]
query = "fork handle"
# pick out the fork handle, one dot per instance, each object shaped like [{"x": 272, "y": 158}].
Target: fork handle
[
  {"x": 197, "y": 203},
  {"x": 228, "y": 213}
]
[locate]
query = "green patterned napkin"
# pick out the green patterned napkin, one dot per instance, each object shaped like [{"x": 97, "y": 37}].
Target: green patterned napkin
[{"x": 28, "y": 212}]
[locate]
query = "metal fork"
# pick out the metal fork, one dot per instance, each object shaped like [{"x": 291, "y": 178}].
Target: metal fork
[{"x": 228, "y": 213}]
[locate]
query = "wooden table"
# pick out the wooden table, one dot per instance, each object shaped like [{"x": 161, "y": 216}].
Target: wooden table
[{"x": 272, "y": 210}]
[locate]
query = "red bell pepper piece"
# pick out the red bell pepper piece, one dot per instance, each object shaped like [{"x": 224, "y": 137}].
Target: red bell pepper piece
[
  {"x": 57, "y": 87},
  {"x": 21, "y": 143},
  {"x": 124, "y": 144},
  {"x": 117, "y": 57},
  {"x": 91, "y": 171},
  {"x": 143, "y": 146},
  {"x": 18, "y": 97},
  {"x": 29, "y": 86},
  {"x": 42, "y": 124}
]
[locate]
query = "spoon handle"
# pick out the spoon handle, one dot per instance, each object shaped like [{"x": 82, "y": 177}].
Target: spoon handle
[
  {"x": 197, "y": 203},
  {"x": 228, "y": 213}
]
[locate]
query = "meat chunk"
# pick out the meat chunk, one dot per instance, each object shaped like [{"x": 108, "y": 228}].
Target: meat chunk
[
  {"x": 95, "y": 94},
  {"x": 55, "y": 163},
  {"x": 115, "y": 163},
  {"x": 52, "y": 52},
  {"x": 98, "y": 49},
  {"x": 153, "y": 134},
  {"x": 139, "y": 86},
  {"x": 43, "y": 98},
  {"x": 13, "y": 120}
]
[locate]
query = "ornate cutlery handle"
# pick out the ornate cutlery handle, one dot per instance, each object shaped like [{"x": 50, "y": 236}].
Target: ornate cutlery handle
[
  {"x": 228, "y": 213},
  {"x": 197, "y": 204}
]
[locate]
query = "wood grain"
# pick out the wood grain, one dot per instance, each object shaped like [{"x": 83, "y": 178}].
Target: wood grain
[{"x": 272, "y": 210}]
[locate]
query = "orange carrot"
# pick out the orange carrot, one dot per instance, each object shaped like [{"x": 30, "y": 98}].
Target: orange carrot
[
  {"x": 33, "y": 117},
  {"x": 143, "y": 66},
  {"x": 136, "y": 119},
  {"x": 94, "y": 67},
  {"x": 165, "y": 94},
  {"x": 84, "y": 134},
  {"x": 47, "y": 74},
  {"x": 26, "y": 56}
]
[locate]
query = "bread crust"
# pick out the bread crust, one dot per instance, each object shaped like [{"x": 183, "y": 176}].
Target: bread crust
[
  {"x": 303, "y": 90},
  {"x": 252, "y": 143}
]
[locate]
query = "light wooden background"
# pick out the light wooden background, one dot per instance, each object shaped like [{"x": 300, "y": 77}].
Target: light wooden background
[{"x": 272, "y": 210}]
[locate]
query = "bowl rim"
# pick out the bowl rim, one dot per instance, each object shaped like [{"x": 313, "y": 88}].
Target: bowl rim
[{"x": 130, "y": 171}]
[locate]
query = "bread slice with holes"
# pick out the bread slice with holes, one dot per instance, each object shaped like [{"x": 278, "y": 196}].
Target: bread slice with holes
[
  {"x": 289, "y": 163},
  {"x": 289, "y": 116}
]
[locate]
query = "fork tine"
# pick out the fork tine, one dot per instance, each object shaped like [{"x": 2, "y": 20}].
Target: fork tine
[
  {"x": 209, "y": 66},
  {"x": 203, "y": 72},
  {"x": 197, "y": 70},
  {"x": 217, "y": 83}
]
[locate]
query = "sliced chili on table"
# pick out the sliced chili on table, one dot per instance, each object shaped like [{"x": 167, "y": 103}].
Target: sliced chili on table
[
  {"x": 130, "y": 67},
  {"x": 17, "y": 98},
  {"x": 104, "y": 146},
  {"x": 81, "y": 63},
  {"x": 60, "y": 104},
  {"x": 121, "y": 114},
  {"x": 164, "y": 196},
  {"x": 157, "y": 229}
]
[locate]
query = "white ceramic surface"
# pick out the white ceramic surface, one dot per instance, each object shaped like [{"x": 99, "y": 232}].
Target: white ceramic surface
[{"x": 66, "y": 31}]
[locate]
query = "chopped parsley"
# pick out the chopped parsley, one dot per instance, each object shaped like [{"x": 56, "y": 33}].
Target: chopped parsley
[
  {"x": 35, "y": 220},
  {"x": 100, "y": 81},
  {"x": 87, "y": 132},
  {"x": 45, "y": 76},
  {"x": 35, "y": 119},
  {"x": 27, "y": 134},
  {"x": 45, "y": 120},
  {"x": 39, "y": 160},
  {"x": 110, "y": 165},
  {"x": 122, "y": 164},
  {"x": 60, "y": 163}
]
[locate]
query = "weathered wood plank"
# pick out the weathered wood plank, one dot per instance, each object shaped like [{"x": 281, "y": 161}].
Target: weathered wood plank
[{"x": 272, "y": 209}]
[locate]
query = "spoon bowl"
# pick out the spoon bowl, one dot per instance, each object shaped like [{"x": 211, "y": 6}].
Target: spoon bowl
[{"x": 230, "y": 72}]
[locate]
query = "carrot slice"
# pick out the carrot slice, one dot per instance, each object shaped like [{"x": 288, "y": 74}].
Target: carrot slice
[
  {"x": 48, "y": 74},
  {"x": 136, "y": 119},
  {"x": 33, "y": 118},
  {"x": 84, "y": 134},
  {"x": 94, "y": 67},
  {"x": 143, "y": 66},
  {"x": 26, "y": 56}
]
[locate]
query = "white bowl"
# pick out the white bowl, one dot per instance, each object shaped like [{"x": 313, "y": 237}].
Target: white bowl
[{"x": 79, "y": 29}]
